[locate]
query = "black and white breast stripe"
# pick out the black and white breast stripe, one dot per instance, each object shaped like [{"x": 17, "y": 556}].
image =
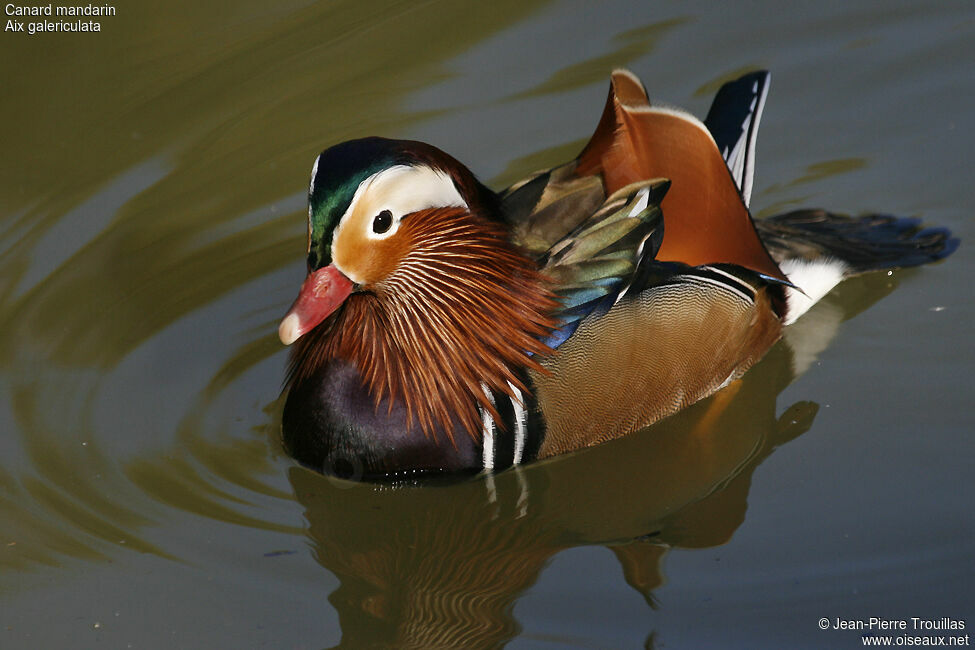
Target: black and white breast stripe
[{"x": 516, "y": 437}]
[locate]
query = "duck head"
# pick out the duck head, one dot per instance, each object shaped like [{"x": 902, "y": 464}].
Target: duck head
[
  {"x": 361, "y": 193},
  {"x": 414, "y": 282}
]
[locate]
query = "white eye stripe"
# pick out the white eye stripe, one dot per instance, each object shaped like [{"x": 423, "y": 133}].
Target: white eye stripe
[{"x": 401, "y": 189}]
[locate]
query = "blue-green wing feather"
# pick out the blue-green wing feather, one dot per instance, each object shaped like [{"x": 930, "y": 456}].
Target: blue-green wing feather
[{"x": 593, "y": 265}]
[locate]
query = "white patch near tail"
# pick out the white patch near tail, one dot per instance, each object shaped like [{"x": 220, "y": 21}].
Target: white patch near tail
[{"x": 816, "y": 278}]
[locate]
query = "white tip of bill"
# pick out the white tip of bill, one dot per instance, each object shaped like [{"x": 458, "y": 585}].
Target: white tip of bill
[{"x": 289, "y": 330}]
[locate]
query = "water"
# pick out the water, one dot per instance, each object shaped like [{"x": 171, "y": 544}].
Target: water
[{"x": 151, "y": 197}]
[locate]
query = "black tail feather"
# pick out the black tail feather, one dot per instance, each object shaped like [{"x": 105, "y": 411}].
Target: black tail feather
[{"x": 866, "y": 243}]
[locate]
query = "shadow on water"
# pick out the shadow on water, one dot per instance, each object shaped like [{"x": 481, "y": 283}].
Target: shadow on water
[{"x": 424, "y": 566}]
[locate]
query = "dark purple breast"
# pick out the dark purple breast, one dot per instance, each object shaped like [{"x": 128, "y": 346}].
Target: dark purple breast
[{"x": 331, "y": 424}]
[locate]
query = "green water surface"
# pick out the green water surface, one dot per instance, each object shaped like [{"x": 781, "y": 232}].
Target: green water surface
[{"x": 152, "y": 198}]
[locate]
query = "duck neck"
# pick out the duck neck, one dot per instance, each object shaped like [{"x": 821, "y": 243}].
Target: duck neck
[{"x": 461, "y": 313}]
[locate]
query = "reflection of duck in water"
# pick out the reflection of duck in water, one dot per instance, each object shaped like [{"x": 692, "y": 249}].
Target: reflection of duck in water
[
  {"x": 446, "y": 328},
  {"x": 445, "y": 566}
]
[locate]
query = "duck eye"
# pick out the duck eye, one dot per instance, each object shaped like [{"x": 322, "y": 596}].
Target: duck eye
[{"x": 382, "y": 222}]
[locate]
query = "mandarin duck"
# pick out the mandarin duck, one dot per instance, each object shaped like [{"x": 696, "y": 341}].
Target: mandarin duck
[{"x": 446, "y": 328}]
